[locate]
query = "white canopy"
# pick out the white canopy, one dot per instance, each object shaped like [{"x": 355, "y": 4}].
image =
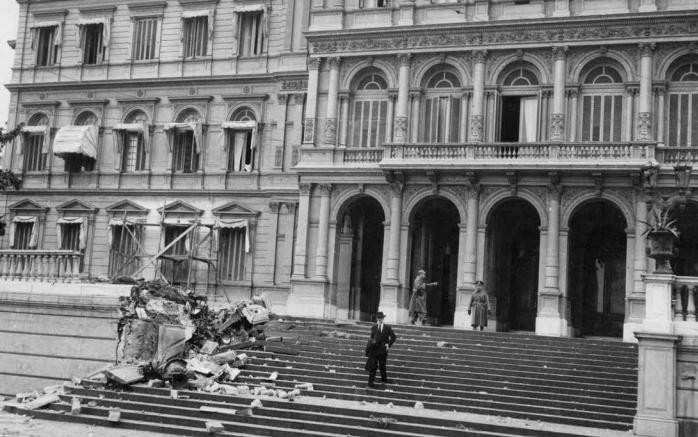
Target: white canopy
[
  {"x": 41, "y": 130},
  {"x": 76, "y": 139},
  {"x": 142, "y": 128},
  {"x": 80, "y": 30},
  {"x": 57, "y": 35},
  {"x": 198, "y": 13},
  {"x": 33, "y": 238},
  {"x": 197, "y": 128},
  {"x": 129, "y": 127},
  {"x": 249, "y": 124}
]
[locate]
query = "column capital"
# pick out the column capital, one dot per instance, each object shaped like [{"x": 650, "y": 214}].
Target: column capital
[
  {"x": 479, "y": 56},
  {"x": 405, "y": 59},
  {"x": 335, "y": 62},
  {"x": 345, "y": 96},
  {"x": 325, "y": 189},
  {"x": 573, "y": 92},
  {"x": 415, "y": 94},
  {"x": 647, "y": 49},
  {"x": 314, "y": 63},
  {"x": 298, "y": 98},
  {"x": 305, "y": 188},
  {"x": 560, "y": 52},
  {"x": 274, "y": 206},
  {"x": 554, "y": 184},
  {"x": 632, "y": 90}
]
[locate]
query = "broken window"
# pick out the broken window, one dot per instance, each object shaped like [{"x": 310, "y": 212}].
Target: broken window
[
  {"x": 144, "y": 38},
  {"x": 241, "y": 141},
  {"x": 252, "y": 34},
  {"x": 125, "y": 241},
  {"x": 232, "y": 253},
  {"x": 195, "y": 36}
]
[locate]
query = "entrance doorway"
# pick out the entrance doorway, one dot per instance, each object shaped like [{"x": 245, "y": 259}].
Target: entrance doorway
[
  {"x": 434, "y": 248},
  {"x": 359, "y": 258},
  {"x": 686, "y": 261},
  {"x": 596, "y": 278},
  {"x": 512, "y": 245},
  {"x": 519, "y": 119}
]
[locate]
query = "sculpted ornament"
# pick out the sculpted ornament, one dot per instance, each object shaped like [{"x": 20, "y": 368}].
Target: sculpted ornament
[
  {"x": 476, "y": 127},
  {"x": 644, "y": 126},
  {"x": 330, "y": 130},
  {"x": 557, "y": 127},
  {"x": 400, "y": 132},
  {"x": 309, "y": 126}
]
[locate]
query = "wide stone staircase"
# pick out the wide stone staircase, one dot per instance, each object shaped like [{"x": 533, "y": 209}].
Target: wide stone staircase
[{"x": 469, "y": 384}]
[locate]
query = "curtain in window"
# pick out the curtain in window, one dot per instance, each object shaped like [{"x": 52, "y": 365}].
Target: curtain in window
[
  {"x": 683, "y": 120},
  {"x": 528, "y": 125},
  {"x": 442, "y": 115},
  {"x": 33, "y": 236},
  {"x": 601, "y": 117},
  {"x": 73, "y": 241}
]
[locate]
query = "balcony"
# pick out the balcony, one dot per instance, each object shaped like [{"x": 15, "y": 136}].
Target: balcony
[
  {"x": 40, "y": 265},
  {"x": 580, "y": 156}
]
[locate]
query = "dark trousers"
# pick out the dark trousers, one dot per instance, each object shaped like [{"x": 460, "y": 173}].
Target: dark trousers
[{"x": 381, "y": 359}]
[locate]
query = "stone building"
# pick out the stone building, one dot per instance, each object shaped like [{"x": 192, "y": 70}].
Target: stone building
[{"x": 323, "y": 151}]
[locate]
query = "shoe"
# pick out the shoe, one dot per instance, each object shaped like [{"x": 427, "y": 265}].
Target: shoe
[
  {"x": 387, "y": 381},
  {"x": 371, "y": 385}
]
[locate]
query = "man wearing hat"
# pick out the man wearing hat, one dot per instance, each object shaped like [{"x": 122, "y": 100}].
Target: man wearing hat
[
  {"x": 480, "y": 304},
  {"x": 382, "y": 338}
]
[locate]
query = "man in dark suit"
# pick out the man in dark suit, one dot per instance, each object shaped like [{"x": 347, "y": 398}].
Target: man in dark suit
[{"x": 382, "y": 338}]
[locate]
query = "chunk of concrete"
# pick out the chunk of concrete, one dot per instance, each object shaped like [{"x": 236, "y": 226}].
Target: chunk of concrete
[
  {"x": 42, "y": 401},
  {"x": 213, "y": 426},
  {"x": 75, "y": 407},
  {"x": 114, "y": 415}
]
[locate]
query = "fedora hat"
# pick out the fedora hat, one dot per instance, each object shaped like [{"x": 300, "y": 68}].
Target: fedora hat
[
  {"x": 380, "y": 315},
  {"x": 479, "y": 282}
]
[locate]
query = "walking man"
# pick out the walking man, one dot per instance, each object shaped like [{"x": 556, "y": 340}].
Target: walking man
[
  {"x": 418, "y": 302},
  {"x": 382, "y": 338}
]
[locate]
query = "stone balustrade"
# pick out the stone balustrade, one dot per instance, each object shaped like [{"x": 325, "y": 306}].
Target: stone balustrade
[
  {"x": 617, "y": 154},
  {"x": 677, "y": 155},
  {"x": 40, "y": 265},
  {"x": 362, "y": 155},
  {"x": 685, "y": 291}
]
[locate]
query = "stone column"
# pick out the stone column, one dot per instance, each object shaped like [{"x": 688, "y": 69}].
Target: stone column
[
  {"x": 465, "y": 102},
  {"x": 403, "y": 93},
  {"x": 311, "y": 101},
  {"x": 629, "y": 110},
  {"x": 332, "y": 99},
  {"x": 472, "y": 208},
  {"x": 344, "y": 125},
  {"x": 573, "y": 115},
  {"x": 656, "y": 391},
  {"x": 635, "y": 298},
  {"x": 391, "y": 117},
  {"x": 416, "y": 99},
  {"x": 557, "y": 122},
  {"x": 323, "y": 230},
  {"x": 299, "y": 258},
  {"x": 660, "y": 93},
  {"x": 550, "y": 319},
  {"x": 395, "y": 226},
  {"x": 644, "y": 113},
  {"x": 478, "y": 101}
]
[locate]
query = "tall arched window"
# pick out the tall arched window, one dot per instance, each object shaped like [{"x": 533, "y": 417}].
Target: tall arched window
[
  {"x": 442, "y": 109},
  {"x": 370, "y": 110},
  {"x": 35, "y": 143},
  {"x": 602, "y": 103},
  {"x": 185, "y": 150},
  {"x": 133, "y": 156},
  {"x": 683, "y": 102},
  {"x": 519, "y": 103},
  {"x": 241, "y": 133}
]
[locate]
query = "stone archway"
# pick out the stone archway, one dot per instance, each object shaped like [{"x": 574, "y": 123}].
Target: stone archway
[
  {"x": 596, "y": 269},
  {"x": 434, "y": 236},
  {"x": 512, "y": 263},
  {"x": 359, "y": 258}
]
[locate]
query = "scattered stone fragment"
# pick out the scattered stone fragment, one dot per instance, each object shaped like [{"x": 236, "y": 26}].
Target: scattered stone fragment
[
  {"x": 207, "y": 409},
  {"x": 243, "y": 389},
  {"x": 125, "y": 374},
  {"x": 273, "y": 376},
  {"x": 209, "y": 347},
  {"x": 53, "y": 389},
  {"x": 42, "y": 401},
  {"x": 418, "y": 405},
  {"x": 114, "y": 415},
  {"x": 174, "y": 394},
  {"x": 256, "y": 404},
  {"x": 26, "y": 397},
  {"x": 213, "y": 427},
  {"x": 75, "y": 407},
  {"x": 245, "y": 412},
  {"x": 304, "y": 386},
  {"x": 156, "y": 383}
]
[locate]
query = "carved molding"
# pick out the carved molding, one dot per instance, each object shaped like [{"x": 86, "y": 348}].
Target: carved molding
[
  {"x": 557, "y": 127},
  {"x": 644, "y": 126}
]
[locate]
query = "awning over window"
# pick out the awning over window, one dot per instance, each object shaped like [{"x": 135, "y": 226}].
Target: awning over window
[
  {"x": 198, "y": 13},
  {"x": 250, "y": 8},
  {"x": 80, "y": 30},
  {"x": 82, "y": 221},
  {"x": 36, "y": 130},
  {"x": 130, "y": 127},
  {"x": 194, "y": 127},
  {"x": 236, "y": 224},
  {"x": 141, "y": 128},
  {"x": 76, "y": 139},
  {"x": 57, "y": 35},
  {"x": 34, "y": 238},
  {"x": 250, "y": 124}
]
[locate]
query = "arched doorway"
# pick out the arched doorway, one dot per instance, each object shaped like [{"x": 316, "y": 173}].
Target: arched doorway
[
  {"x": 434, "y": 248},
  {"x": 686, "y": 261},
  {"x": 596, "y": 270},
  {"x": 513, "y": 243},
  {"x": 359, "y": 259}
]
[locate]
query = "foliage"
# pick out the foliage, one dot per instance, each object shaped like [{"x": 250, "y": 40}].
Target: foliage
[
  {"x": 661, "y": 222},
  {"x": 7, "y": 178},
  {"x": 6, "y": 137}
]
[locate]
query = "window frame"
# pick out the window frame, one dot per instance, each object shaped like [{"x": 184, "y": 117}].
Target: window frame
[
  {"x": 133, "y": 245},
  {"x": 602, "y": 93},
  {"x": 136, "y": 43},
  {"x": 55, "y": 41},
  {"x": 370, "y": 99},
  {"x": 205, "y": 33},
  {"x": 677, "y": 90},
  {"x": 237, "y": 259},
  {"x": 253, "y": 23},
  {"x": 434, "y": 97}
]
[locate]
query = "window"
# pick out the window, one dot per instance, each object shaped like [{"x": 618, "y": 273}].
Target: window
[
  {"x": 134, "y": 157},
  {"x": 70, "y": 236},
  {"x": 186, "y": 143},
  {"x": 175, "y": 263},
  {"x": 602, "y": 105},
  {"x": 34, "y": 147},
  {"x": 144, "y": 38},
  {"x": 252, "y": 33},
  {"x": 77, "y": 162},
  {"x": 195, "y": 37},
  {"x": 683, "y": 106},
  {"x": 125, "y": 241},
  {"x": 232, "y": 253},
  {"x": 23, "y": 235},
  {"x": 241, "y": 141},
  {"x": 518, "y": 106},
  {"x": 374, "y": 3},
  {"x": 370, "y": 111},
  {"x": 45, "y": 44},
  {"x": 520, "y": 77},
  {"x": 92, "y": 43},
  {"x": 442, "y": 108}
]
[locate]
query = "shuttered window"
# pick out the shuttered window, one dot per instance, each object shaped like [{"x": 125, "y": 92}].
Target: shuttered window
[
  {"x": 124, "y": 247},
  {"x": 185, "y": 158},
  {"x": 231, "y": 254},
  {"x": 683, "y": 119},
  {"x": 144, "y": 38},
  {"x": 46, "y": 48},
  {"x": 134, "y": 157},
  {"x": 23, "y": 235},
  {"x": 251, "y": 34},
  {"x": 370, "y": 112},
  {"x": 34, "y": 159},
  {"x": 602, "y": 118},
  {"x": 195, "y": 38},
  {"x": 93, "y": 49},
  {"x": 70, "y": 235}
]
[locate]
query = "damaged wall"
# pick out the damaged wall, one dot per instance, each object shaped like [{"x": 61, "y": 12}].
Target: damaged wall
[{"x": 51, "y": 332}]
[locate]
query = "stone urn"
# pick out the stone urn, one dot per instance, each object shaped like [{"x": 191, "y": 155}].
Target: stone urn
[{"x": 661, "y": 248}]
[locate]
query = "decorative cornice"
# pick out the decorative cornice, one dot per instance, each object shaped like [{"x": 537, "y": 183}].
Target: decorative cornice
[
  {"x": 90, "y": 102},
  {"x": 146, "y": 5},
  {"x": 236, "y": 97},
  {"x": 54, "y": 103},
  {"x": 191, "y": 99},
  {"x": 139, "y": 100},
  {"x": 98, "y": 10},
  {"x": 52, "y": 13},
  {"x": 610, "y": 30}
]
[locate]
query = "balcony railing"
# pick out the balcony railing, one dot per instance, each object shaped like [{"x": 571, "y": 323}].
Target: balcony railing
[
  {"x": 484, "y": 154},
  {"x": 362, "y": 155},
  {"x": 677, "y": 155},
  {"x": 40, "y": 265},
  {"x": 685, "y": 290}
]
